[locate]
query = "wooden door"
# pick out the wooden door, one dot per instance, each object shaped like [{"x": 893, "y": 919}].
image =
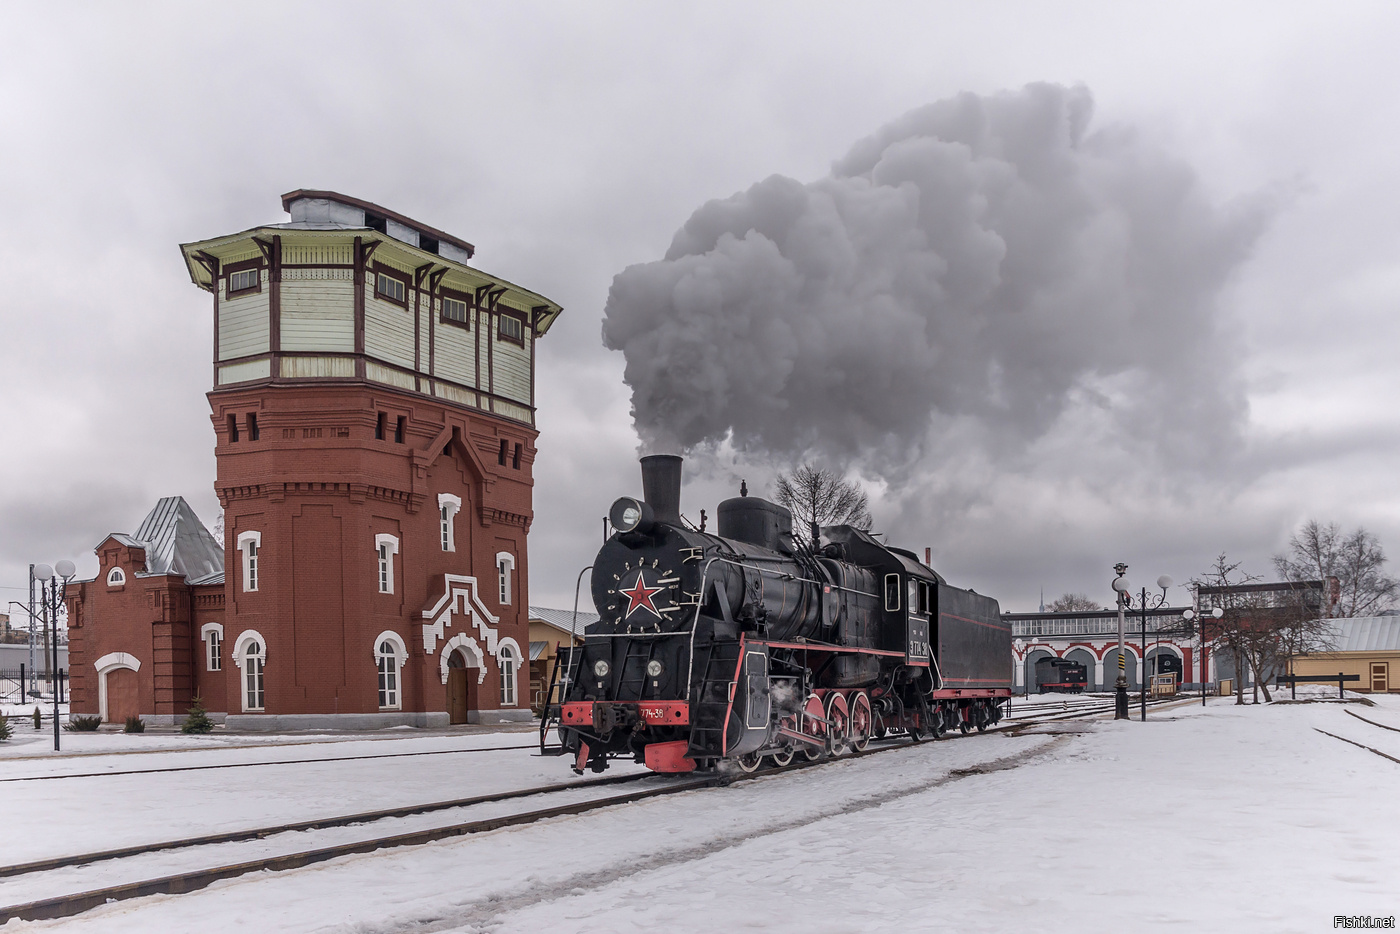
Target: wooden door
[
  {"x": 457, "y": 695},
  {"x": 123, "y": 695},
  {"x": 1380, "y": 677}
]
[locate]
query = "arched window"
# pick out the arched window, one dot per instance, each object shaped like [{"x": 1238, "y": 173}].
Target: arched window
[
  {"x": 388, "y": 676},
  {"x": 505, "y": 563},
  {"x": 214, "y": 648},
  {"x": 253, "y": 659},
  {"x": 508, "y": 664},
  {"x": 116, "y": 577}
]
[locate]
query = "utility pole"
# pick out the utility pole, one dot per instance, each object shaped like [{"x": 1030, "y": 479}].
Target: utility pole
[{"x": 33, "y": 671}]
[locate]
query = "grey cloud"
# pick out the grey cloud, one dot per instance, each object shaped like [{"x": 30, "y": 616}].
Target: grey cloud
[{"x": 985, "y": 257}]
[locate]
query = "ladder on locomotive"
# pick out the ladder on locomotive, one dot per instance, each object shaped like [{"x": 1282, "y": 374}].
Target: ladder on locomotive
[
  {"x": 566, "y": 663},
  {"x": 632, "y": 680},
  {"x": 717, "y": 663}
]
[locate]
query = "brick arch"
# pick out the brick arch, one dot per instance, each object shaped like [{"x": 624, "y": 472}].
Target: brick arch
[{"x": 469, "y": 648}]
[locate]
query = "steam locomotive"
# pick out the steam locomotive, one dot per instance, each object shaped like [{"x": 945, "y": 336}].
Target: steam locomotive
[
  {"x": 1061, "y": 675},
  {"x": 749, "y": 644}
]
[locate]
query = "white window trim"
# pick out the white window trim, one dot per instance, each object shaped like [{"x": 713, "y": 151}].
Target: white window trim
[
  {"x": 239, "y": 656},
  {"x": 505, "y": 564},
  {"x": 400, "y": 658},
  {"x": 452, "y": 505},
  {"x": 107, "y": 663},
  {"x": 244, "y": 540},
  {"x": 508, "y": 654},
  {"x": 385, "y": 547},
  {"x": 116, "y": 577},
  {"x": 204, "y": 631}
]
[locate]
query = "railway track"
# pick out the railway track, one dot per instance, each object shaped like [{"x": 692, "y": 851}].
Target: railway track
[
  {"x": 248, "y": 765},
  {"x": 69, "y": 904}
]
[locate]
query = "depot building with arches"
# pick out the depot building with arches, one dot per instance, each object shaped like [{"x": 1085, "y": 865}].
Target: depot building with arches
[
  {"x": 374, "y": 435},
  {"x": 1091, "y": 638}
]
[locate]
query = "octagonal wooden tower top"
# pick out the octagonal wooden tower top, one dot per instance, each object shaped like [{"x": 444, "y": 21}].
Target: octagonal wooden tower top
[{"x": 350, "y": 291}]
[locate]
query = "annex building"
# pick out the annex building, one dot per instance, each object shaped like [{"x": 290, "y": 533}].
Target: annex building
[{"x": 374, "y": 434}]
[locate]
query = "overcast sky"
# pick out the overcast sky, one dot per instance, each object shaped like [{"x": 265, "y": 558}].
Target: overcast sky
[{"x": 570, "y": 142}]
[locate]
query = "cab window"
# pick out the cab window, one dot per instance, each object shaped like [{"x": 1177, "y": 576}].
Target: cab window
[{"x": 891, "y": 593}]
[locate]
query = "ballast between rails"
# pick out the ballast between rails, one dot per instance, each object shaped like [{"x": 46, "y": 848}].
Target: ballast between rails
[{"x": 69, "y": 905}]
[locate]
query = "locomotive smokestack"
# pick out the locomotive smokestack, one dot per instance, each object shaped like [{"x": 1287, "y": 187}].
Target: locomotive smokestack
[{"x": 661, "y": 486}]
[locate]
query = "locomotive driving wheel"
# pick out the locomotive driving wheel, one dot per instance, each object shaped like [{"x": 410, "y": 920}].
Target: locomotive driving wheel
[
  {"x": 749, "y": 763},
  {"x": 813, "y": 716},
  {"x": 838, "y": 717},
  {"x": 784, "y": 756},
  {"x": 862, "y": 721}
]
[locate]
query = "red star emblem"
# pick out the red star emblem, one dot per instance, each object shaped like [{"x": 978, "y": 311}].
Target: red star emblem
[{"x": 640, "y": 596}]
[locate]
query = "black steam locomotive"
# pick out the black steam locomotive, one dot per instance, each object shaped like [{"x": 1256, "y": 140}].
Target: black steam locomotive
[
  {"x": 1061, "y": 675},
  {"x": 748, "y": 643}
]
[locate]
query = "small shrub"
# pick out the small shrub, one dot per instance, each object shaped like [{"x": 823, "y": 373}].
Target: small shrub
[
  {"x": 135, "y": 725},
  {"x": 198, "y": 721},
  {"x": 38, "y": 719},
  {"x": 5, "y": 731},
  {"x": 82, "y": 724}
]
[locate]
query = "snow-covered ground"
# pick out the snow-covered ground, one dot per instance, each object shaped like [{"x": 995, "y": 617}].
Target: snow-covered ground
[{"x": 1224, "y": 818}]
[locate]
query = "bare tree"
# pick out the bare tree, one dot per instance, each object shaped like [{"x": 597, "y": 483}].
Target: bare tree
[
  {"x": 1072, "y": 602},
  {"x": 1233, "y": 629},
  {"x": 1355, "y": 559},
  {"x": 821, "y": 496}
]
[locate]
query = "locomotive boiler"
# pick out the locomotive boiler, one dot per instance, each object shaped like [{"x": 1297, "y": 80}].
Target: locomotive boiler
[{"x": 749, "y": 643}]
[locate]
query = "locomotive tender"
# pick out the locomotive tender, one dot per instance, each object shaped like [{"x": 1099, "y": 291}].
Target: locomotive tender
[{"x": 747, "y": 644}]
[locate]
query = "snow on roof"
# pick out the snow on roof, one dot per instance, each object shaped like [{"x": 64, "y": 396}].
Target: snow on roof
[
  {"x": 1365, "y": 634},
  {"x": 176, "y": 542},
  {"x": 563, "y": 619}
]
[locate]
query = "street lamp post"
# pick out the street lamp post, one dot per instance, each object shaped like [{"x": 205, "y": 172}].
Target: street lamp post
[
  {"x": 1120, "y": 687},
  {"x": 1189, "y": 614},
  {"x": 51, "y": 597},
  {"x": 1125, "y": 602}
]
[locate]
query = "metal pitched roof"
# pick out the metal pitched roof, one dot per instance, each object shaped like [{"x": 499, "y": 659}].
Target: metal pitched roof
[
  {"x": 563, "y": 620},
  {"x": 1365, "y": 634},
  {"x": 176, "y": 542}
]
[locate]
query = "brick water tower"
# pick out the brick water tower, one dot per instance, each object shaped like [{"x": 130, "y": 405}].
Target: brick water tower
[{"x": 373, "y": 403}]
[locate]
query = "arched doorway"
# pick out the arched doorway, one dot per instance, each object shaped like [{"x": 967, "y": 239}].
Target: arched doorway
[
  {"x": 1085, "y": 658},
  {"x": 1033, "y": 656},
  {"x": 1110, "y": 669},
  {"x": 461, "y": 686},
  {"x": 123, "y": 695}
]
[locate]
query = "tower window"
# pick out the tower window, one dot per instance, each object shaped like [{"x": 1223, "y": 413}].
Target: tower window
[
  {"x": 515, "y": 458},
  {"x": 507, "y": 677},
  {"x": 379, "y": 427},
  {"x": 233, "y": 429},
  {"x": 250, "y": 543},
  {"x": 253, "y": 677},
  {"x": 386, "y": 546},
  {"x": 448, "y": 507},
  {"x": 505, "y": 563},
  {"x": 503, "y": 452},
  {"x": 398, "y": 429},
  {"x": 456, "y": 311},
  {"x": 252, "y": 426},
  {"x": 388, "y": 676},
  {"x": 245, "y": 280},
  {"x": 511, "y": 328},
  {"x": 391, "y": 288}
]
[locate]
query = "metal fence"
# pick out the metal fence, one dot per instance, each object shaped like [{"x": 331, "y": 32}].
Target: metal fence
[{"x": 17, "y": 683}]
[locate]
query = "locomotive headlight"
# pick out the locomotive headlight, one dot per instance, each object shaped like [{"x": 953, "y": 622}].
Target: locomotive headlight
[
  {"x": 654, "y": 668},
  {"x": 630, "y": 515},
  {"x": 601, "y": 668}
]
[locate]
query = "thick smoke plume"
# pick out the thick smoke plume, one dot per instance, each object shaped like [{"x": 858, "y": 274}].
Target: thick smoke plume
[{"x": 984, "y": 258}]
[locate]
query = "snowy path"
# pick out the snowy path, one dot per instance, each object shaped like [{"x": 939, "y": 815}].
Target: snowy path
[{"x": 1231, "y": 818}]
